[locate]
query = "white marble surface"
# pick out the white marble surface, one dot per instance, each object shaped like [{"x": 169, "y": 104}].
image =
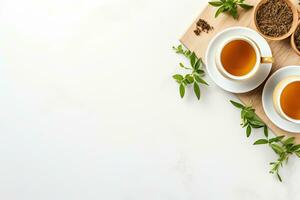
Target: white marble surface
[{"x": 89, "y": 110}]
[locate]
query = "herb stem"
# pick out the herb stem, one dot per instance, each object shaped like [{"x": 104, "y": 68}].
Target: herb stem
[{"x": 283, "y": 148}]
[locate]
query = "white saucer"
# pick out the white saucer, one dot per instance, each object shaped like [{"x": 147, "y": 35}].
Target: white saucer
[
  {"x": 228, "y": 84},
  {"x": 267, "y": 98}
]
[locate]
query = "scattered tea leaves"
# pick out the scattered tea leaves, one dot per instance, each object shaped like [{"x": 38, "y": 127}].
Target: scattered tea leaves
[{"x": 202, "y": 26}]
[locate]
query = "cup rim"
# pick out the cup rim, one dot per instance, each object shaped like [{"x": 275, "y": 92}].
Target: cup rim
[
  {"x": 286, "y": 82},
  {"x": 257, "y": 53}
]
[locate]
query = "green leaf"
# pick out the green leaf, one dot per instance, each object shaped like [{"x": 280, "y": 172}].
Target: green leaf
[
  {"x": 197, "y": 90},
  {"x": 278, "y": 176},
  {"x": 288, "y": 146},
  {"x": 255, "y": 125},
  {"x": 228, "y": 5},
  {"x": 233, "y": 12},
  {"x": 295, "y": 148},
  {"x": 185, "y": 82},
  {"x": 181, "y": 90},
  {"x": 248, "y": 130},
  {"x": 261, "y": 141},
  {"x": 200, "y": 72},
  {"x": 290, "y": 140},
  {"x": 298, "y": 153},
  {"x": 245, "y": 124},
  {"x": 286, "y": 161},
  {"x": 219, "y": 11},
  {"x": 278, "y": 149},
  {"x": 216, "y": 3},
  {"x": 280, "y": 137},
  {"x": 266, "y": 131},
  {"x": 175, "y": 48},
  {"x": 200, "y": 80},
  {"x": 198, "y": 64},
  {"x": 255, "y": 120},
  {"x": 193, "y": 58},
  {"x": 243, "y": 114},
  {"x": 250, "y": 115},
  {"x": 276, "y": 139},
  {"x": 197, "y": 78},
  {"x": 178, "y": 49},
  {"x": 245, "y": 6},
  {"x": 178, "y": 77},
  {"x": 187, "y": 53},
  {"x": 189, "y": 78},
  {"x": 236, "y": 104}
]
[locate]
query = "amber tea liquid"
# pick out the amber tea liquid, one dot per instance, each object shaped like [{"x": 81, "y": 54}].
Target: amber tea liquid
[
  {"x": 290, "y": 100},
  {"x": 238, "y": 57}
]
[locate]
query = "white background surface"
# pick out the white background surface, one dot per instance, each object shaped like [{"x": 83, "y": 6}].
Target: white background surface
[{"x": 89, "y": 110}]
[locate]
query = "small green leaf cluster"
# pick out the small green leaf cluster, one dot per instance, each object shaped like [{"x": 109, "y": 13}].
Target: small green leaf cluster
[
  {"x": 229, "y": 6},
  {"x": 179, "y": 49},
  {"x": 249, "y": 119},
  {"x": 284, "y": 148},
  {"x": 195, "y": 77}
]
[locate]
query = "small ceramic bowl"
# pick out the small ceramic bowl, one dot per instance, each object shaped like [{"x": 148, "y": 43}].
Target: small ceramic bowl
[
  {"x": 293, "y": 44},
  {"x": 292, "y": 29}
]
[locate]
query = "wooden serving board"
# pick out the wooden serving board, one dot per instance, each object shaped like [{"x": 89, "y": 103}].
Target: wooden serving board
[{"x": 282, "y": 52}]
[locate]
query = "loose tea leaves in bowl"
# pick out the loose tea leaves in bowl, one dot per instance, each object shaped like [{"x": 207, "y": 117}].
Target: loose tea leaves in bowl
[
  {"x": 274, "y": 18},
  {"x": 297, "y": 38}
]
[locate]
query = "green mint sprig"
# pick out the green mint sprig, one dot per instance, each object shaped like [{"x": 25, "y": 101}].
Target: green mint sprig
[
  {"x": 195, "y": 77},
  {"x": 284, "y": 148},
  {"x": 229, "y": 6},
  {"x": 249, "y": 119}
]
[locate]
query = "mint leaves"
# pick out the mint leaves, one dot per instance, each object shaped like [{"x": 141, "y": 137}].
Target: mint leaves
[
  {"x": 195, "y": 77},
  {"x": 229, "y": 6},
  {"x": 282, "y": 146},
  {"x": 249, "y": 119}
]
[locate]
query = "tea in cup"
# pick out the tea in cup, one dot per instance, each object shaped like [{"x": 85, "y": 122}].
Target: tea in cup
[
  {"x": 239, "y": 58},
  {"x": 286, "y": 98}
]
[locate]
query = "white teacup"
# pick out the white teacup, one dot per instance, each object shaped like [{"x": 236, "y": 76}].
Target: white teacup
[
  {"x": 277, "y": 97},
  {"x": 259, "y": 58}
]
